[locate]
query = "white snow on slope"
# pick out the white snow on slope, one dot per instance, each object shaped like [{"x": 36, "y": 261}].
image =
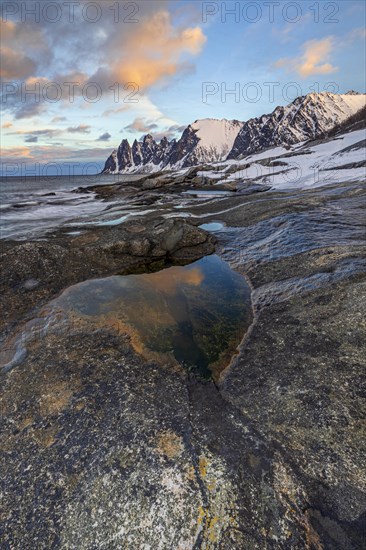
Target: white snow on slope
[
  {"x": 328, "y": 109},
  {"x": 309, "y": 166},
  {"x": 340, "y": 106},
  {"x": 216, "y": 134}
]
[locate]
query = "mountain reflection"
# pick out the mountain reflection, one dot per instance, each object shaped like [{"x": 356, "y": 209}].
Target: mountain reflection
[{"x": 194, "y": 315}]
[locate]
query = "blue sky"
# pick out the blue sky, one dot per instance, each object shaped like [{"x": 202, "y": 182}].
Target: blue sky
[{"x": 166, "y": 54}]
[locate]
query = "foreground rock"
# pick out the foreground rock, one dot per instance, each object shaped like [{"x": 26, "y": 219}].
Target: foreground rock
[
  {"x": 102, "y": 449},
  {"x": 34, "y": 271}
]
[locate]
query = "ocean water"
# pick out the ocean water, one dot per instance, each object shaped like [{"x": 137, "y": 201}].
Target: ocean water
[{"x": 32, "y": 206}]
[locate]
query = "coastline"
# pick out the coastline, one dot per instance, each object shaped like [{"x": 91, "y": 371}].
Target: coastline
[{"x": 266, "y": 454}]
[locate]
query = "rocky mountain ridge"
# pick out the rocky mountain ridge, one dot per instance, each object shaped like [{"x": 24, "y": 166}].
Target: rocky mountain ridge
[{"x": 307, "y": 118}]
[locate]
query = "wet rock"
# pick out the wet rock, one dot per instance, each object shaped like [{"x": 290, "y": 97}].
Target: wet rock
[
  {"x": 197, "y": 180},
  {"x": 157, "y": 183},
  {"x": 228, "y": 186},
  {"x": 140, "y": 247},
  {"x": 204, "y": 181},
  {"x": 301, "y": 363},
  {"x": 94, "y": 253},
  {"x": 32, "y": 261},
  {"x": 119, "y": 452},
  {"x": 105, "y": 191}
]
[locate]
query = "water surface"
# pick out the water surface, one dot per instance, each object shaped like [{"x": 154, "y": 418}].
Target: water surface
[
  {"x": 30, "y": 207},
  {"x": 194, "y": 315}
]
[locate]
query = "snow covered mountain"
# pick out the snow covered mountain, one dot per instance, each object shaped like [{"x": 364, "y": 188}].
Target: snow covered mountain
[
  {"x": 336, "y": 159},
  {"x": 215, "y": 139},
  {"x": 210, "y": 140},
  {"x": 307, "y": 117},
  {"x": 206, "y": 140}
]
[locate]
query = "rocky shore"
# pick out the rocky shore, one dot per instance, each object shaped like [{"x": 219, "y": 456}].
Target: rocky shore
[{"x": 103, "y": 449}]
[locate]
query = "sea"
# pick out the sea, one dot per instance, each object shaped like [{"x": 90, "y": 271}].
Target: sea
[{"x": 30, "y": 207}]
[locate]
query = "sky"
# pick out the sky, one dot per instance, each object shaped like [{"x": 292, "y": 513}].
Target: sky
[{"x": 77, "y": 77}]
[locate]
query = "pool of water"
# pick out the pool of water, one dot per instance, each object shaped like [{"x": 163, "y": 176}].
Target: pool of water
[
  {"x": 208, "y": 193},
  {"x": 194, "y": 315},
  {"x": 212, "y": 226}
]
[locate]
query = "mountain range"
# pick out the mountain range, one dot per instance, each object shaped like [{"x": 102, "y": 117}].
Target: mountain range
[{"x": 308, "y": 117}]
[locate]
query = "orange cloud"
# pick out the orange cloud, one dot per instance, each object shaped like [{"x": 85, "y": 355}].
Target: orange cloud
[
  {"x": 16, "y": 153},
  {"x": 145, "y": 54},
  {"x": 14, "y": 65},
  {"x": 154, "y": 50},
  {"x": 7, "y": 29},
  {"x": 43, "y": 154},
  {"x": 314, "y": 60}
]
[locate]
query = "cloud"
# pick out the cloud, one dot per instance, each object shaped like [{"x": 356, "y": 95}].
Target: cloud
[
  {"x": 18, "y": 38},
  {"x": 122, "y": 109},
  {"x": 156, "y": 129},
  {"x": 151, "y": 54},
  {"x": 170, "y": 133},
  {"x": 15, "y": 65},
  {"x": 359, "y": 33},
  {"x": 31, "y": 139},
  {"x": 47, "y": 132},
  {"x": 28, "y": 110},
  {"x": 46, "y": 153},
  {"x": 178, "y": 129},
  {"x": 9, "y": 154},
  {"x": 140, "y": 125},
  {"x": 148, "y": 53},
  {"x": 7, "y": 125},
  {"x": 104, "y": 137},
  {"x": 81, "y": 129},
  {"x": 314, "y": 60},
  {"x": 58, "y": 119},
  {"x": 146, "y": 110}
]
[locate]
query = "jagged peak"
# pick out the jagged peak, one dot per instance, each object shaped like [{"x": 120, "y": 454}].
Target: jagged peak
[
  {"x": 213, "y": 139},
  {"x": 124, "y": 142}
]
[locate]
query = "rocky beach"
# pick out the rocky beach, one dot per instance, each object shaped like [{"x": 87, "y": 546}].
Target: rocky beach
[
  {"x": 182, "y": 275},
  {"x": 107, "y": 447}
]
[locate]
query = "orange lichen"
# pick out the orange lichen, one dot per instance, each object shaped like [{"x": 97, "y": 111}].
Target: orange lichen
[
  {"x": 169, "y": 444},
  {"x": 55, "y": 398},
  {"x": 203, "y": 466}
]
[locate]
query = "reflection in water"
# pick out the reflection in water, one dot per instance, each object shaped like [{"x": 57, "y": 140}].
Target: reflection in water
[{"x": 194, "y": 315}]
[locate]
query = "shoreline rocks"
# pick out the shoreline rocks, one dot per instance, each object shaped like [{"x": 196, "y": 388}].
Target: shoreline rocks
[
  {"x": 116, "y": 451},
  {"x": 61, "y": 261}
]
